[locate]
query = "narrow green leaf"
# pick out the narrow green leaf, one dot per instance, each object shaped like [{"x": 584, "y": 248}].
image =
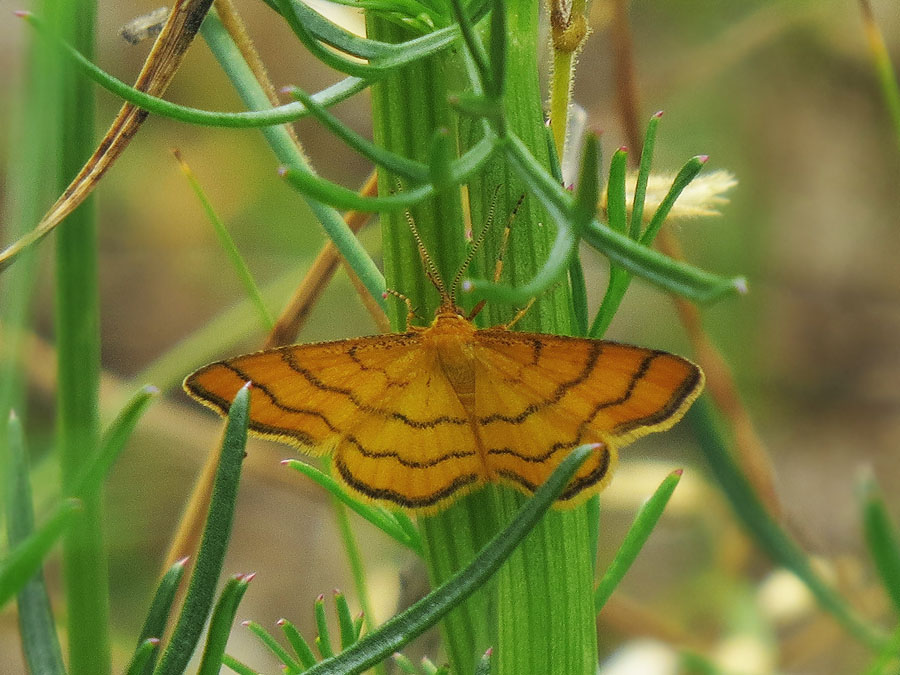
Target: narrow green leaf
[
  {"x": 379, "y": 66},
  {"x": 410, "y": 529},
  {"x": 576, "y": 271},
  {"x": 476, "y": 49},
  {"x": 767, "y": 533},
  {"x": 477, "y": 105},
  {"x": 273, "y": 646},
  {"x": 142, "y": 659},
  {"x": 231, "y": 250},
  {"x": 220, "y": 623},
  {"x": 323, "y": 639},
  {"x": 618, "y": 221},
  {"x": 882, "y": 538},
  {"x": 113, "y": 442},
  {"x": 585, "y": 207},
  {"x": 404, "y": 664},
  {"x": 498, "y": 49},
  {"x": 251, "y": 119},
  {"x": 345, "y": 621},
  {"x": 378, "y": 516},
  {"x": 22, "y": 562},
  {"x": 619, "y": 280},
  {"x": 327, "y": 192},
  {"x": 402, "y": 628},
  {"x": 334, "y": 35},
  {"x": 670, "y": 275},
  {"x": 214, "y": 543},
  {"x": 403, "y": 167},
  {"x": 887, "y": 661},
  {"x": 634, "y": 541},
  {"x": 615, "y": 192},
  {"x": 158, "y": 614},
  {"x": 37, "y": 628},
  {"x": 884, "y": 68},
  {"x": 640, "y": 189},
  {"x": 237, "y": 666},
  {"x": 298, "y": 644},
  {"x": 687, "y": 173}
]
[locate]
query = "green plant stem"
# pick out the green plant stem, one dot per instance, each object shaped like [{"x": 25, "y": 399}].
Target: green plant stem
[
  {"x": 560, "y": 96},
  {"x": 78, "y": 349},
  {"x": 545, "y": 615},
  {"x": 562, "y": 73},
  {"x": 407, "y": 110}
]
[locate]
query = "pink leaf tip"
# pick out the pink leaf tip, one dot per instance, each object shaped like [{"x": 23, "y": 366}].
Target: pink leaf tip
[
  {"x": 22, "y": 13},
  {"x": 659, "y": 113},
  {"x": 703, "y": 158},
  {"x": 678, "y": 472}
]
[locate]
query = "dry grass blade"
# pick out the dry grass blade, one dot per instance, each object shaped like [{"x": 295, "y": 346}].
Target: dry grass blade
[{"x": 158, "y": 71}]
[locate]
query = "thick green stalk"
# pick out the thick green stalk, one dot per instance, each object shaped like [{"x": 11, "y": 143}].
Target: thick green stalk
[
  {"x": 545, "y": 614},
  {"x": 407, "y": 109},
  {"x": 78, "y": 348}
]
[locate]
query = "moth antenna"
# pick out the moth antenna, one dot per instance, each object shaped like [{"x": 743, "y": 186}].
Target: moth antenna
[
  {"x": 431, "y": 270},
  {"x": 475, "y": 244},
  {"x": 410, "y": 311}
]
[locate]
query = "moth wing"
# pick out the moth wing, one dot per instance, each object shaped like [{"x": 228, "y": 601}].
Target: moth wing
[{"x": 539, "y": 396}]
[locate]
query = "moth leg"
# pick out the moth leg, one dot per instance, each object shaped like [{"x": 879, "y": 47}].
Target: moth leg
[{"x": 522, "y": 312}]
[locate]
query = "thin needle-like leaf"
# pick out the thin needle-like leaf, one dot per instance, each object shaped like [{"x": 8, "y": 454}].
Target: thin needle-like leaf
[
  {"x": 404, "y": 627},
  {"x": 201, "y": 590},
  {"x": 634, "y": 541}
]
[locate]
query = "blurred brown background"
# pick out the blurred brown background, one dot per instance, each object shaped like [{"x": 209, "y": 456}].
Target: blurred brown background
[{"x": 782, "y": 93}]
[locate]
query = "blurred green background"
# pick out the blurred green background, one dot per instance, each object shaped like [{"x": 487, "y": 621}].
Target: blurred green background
[{"x": 783, "y": 94}]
